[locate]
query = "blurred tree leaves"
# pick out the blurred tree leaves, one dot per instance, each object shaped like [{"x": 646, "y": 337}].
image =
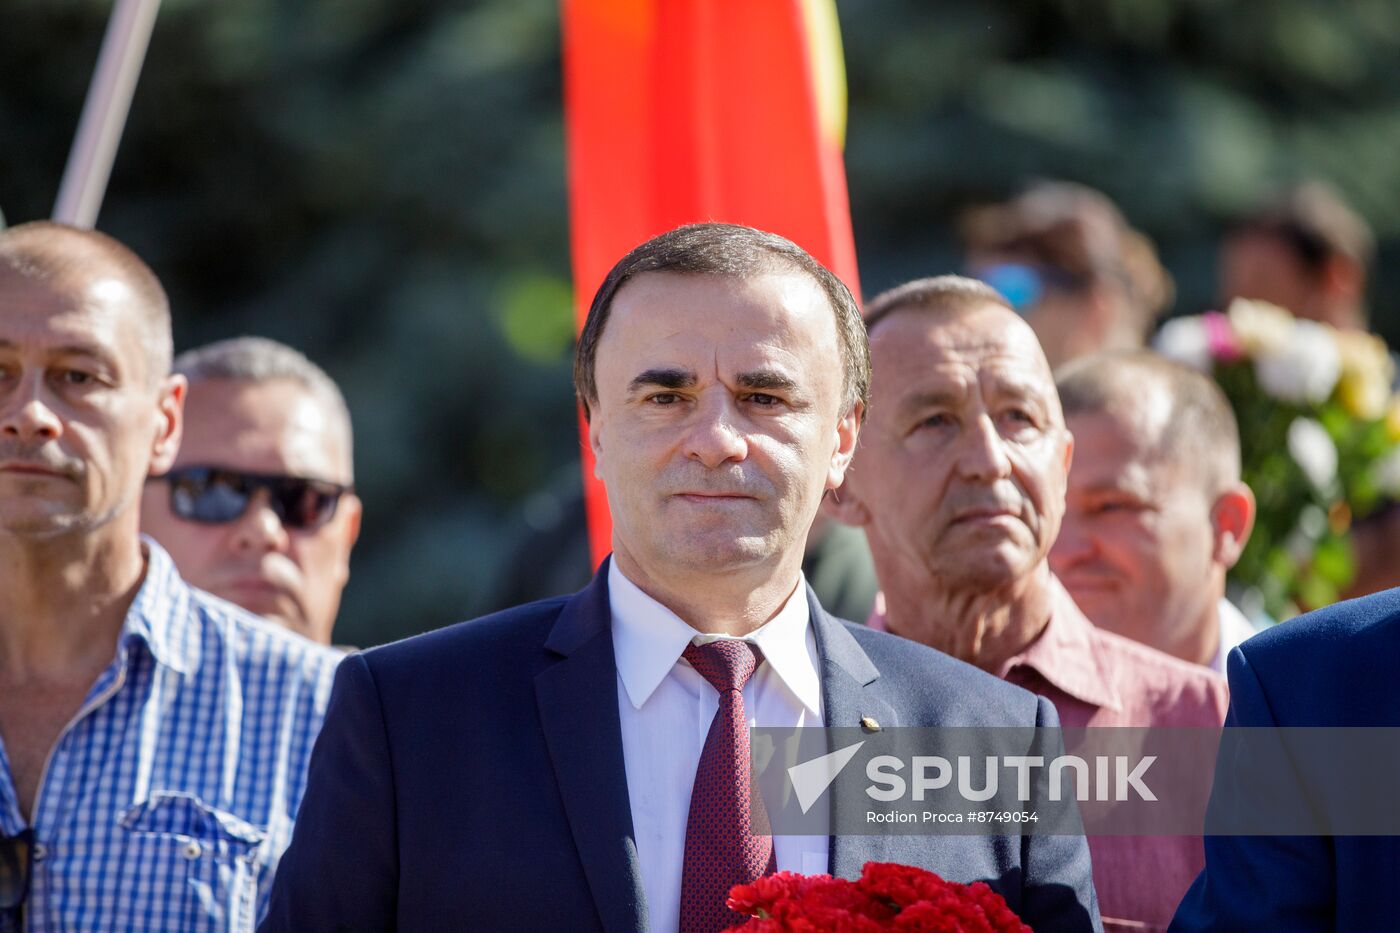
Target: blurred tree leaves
[
  {"x": 1184, "y": 111},
  {"x": 378, "y": 183},
  {"x": 537, "y": 315},
  {"x": 381, "y": 183}
]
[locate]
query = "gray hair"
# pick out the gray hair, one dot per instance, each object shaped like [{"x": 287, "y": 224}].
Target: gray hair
[
  {"x": 948, "y": 295},
  {"x": 257, "y": 360},
  {"x": 1201, "y": 432}
]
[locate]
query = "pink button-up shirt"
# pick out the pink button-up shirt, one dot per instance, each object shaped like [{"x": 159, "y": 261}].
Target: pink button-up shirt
[{"x": 1097, "y": 678}]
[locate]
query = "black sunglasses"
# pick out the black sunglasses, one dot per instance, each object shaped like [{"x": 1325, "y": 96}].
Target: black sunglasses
[
  {"x": 16, "y": 855},
  {"x": 214, "y": 495}
]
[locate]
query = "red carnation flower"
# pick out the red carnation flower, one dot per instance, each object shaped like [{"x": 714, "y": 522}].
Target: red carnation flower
[{"x": 886, "y": 897}]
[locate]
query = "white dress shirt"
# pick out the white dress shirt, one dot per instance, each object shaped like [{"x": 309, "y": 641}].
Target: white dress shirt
[
  {"x": 1234, "y": 628},
  {"x": 666, "y": 709}
]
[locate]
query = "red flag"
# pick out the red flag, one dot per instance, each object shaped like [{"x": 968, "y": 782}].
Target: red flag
[{"x": 681, "y": 111}]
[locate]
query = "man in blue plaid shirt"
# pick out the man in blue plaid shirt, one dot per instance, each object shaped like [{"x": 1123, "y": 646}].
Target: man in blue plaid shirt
[{"x": 153, "y": 739}]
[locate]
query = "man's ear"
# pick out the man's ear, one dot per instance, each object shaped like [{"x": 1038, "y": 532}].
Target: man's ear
[
  {"x": 847, "y": 435},
  {"x": 841, "y": 501},
  {"x": 1232, "y": 519},
  {"x": 595, "y": 440},
  {"x": 169, "y": 424},
  {"x": 355, "y": 510},
  {"x": 1344, "y": 279}
]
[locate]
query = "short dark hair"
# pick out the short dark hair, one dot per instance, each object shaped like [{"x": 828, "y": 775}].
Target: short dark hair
[
  {"x": 731, "y": 251},
  {"x": 1200, "y": 433},
  {"x": 943, "y": 294},
  {"x": 69, "y": 257},
  {"x": 258, "y": 360},
  {"x": 1316, "y": 224}
]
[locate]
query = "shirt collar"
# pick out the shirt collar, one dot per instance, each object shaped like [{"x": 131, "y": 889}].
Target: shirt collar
[
  {"x": 648, "y": 640},
  {"x": 1234, "y": 628},
  {"x": 156, "y": 613},
  {"x": 1066, "y": 654},
  {"x": 1069, "y": 654}
]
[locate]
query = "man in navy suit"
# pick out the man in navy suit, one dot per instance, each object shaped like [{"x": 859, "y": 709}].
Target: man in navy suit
[
  {"x": 582, "y": 763},
  {"x": 1337, "y": 667}
]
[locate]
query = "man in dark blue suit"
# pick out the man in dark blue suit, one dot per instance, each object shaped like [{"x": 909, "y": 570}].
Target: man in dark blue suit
[
  {"x": 582, "y": 763},
  {"x": 1338, "y": 667}
]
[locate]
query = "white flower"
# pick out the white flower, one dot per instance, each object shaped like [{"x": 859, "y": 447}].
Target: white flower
[
  {"x": 1312, "y": 449},
  {"x": 1304, "y": 368},
  {"x": 1260, "y": 326},
  {"x": 1386, "y": 473},
  {"x": 1185, "y": 340}
]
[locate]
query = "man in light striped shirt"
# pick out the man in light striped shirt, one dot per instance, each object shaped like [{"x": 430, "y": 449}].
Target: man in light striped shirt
[{"x": 153, "y": 739}]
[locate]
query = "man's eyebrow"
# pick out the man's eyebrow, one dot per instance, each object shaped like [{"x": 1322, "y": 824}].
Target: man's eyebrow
[
  {"x": 1137, "y": 489},
  {"x": 74, "y": 349},
  {"x": 1027, "y": 389},
  {"x": 94, "y": 351},
  {"x": 766, "y": 379},
  {"x": 934, "y": 398},
  {"x": 663, "y": 378}
]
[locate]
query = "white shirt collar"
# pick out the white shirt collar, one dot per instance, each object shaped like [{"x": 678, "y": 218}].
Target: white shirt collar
[
  {"x": 648, "y": 640},
  {"x": 1234, "y": 628}
]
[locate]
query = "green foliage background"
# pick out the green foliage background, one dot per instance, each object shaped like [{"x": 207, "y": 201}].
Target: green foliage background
[
  {"x": 1299, "y": 554},
  {"x": 381, "y": 183}
]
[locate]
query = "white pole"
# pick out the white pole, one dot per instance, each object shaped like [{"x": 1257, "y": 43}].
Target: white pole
[{"x": 104, "y": 112}]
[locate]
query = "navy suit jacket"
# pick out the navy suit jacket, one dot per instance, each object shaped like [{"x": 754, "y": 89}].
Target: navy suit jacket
[
  {"x": 472, "y": 778},
  {"x": 1338, "y": 666}
]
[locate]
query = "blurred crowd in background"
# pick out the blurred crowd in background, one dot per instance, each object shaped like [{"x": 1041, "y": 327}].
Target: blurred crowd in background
[{"x": 381, "y": 186}]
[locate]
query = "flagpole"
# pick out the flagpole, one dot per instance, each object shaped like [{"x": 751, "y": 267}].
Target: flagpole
[{"x": 104, "y": 112}]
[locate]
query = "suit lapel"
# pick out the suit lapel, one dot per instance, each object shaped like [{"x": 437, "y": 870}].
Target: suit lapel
[
  {"x": 577, "y": 698},
  {"x": 847, "y": 698}
]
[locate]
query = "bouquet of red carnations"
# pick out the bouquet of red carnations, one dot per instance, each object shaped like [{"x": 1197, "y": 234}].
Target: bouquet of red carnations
[{"x": 885, "y": 897}]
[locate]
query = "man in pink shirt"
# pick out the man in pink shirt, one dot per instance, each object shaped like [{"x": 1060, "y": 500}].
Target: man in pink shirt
[{"x": 959, "y": 483}]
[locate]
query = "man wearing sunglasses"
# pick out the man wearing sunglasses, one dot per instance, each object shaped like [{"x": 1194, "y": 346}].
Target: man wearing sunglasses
[
  {"x": 153, "y": 739},
  {"x": 259, "y": 507},
  {"x": 1064, "y": 257}
]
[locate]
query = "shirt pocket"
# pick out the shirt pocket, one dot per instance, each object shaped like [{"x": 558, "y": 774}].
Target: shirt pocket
[{"x": 188, "y": 866}]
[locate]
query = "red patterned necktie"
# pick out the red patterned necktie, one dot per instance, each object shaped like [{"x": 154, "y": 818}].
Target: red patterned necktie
[{"x": 720, "y": 850}]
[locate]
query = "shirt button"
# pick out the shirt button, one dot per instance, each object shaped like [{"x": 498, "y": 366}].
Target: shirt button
[
  {"x": 40, "y": 852},
  {"x": 193, "y": 850}
]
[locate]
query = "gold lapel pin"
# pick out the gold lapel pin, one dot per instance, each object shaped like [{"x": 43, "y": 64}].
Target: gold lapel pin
[{"x": 869, "y": 725}]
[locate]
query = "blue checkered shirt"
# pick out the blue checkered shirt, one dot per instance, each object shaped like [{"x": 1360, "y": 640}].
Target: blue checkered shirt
[{"x": 169, "y": 798}]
